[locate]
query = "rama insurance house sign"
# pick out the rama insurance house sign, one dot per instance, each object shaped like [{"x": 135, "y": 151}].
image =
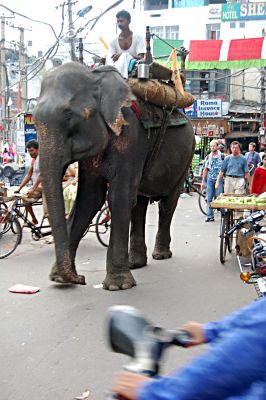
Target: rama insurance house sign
[{"x": 209, "y": 108}]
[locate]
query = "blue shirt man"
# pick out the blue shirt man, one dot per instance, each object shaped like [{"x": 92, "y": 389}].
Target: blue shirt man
[
  {"x": 235, "y": 170},
  {"x": 211, "y": 171},
  {"x": 234, "y": 368}
]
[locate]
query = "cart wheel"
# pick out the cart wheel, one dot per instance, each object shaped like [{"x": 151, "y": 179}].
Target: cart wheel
[
  {"x": 223, "y": 237},
  {"x": 202, "y": 201},
  {"x": 230, "y": 224}
]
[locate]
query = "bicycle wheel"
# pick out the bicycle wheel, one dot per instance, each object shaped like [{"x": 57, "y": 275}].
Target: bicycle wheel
[
  {"x": 230, "y": 223},
  {"x": 223, "y": 237},
  {"x": 10, "y": 236},
  {"x": 202, "y": 201},
  {"x": 103, "y": 225}
]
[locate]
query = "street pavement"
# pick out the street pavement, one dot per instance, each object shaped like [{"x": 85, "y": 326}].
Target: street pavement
[{"x": 53, "y": 343}]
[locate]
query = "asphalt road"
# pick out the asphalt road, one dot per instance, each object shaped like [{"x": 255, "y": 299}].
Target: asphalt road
[{"x": 52, "y": 342}]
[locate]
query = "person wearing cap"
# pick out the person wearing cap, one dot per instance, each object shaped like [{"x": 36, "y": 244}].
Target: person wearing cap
[
  {"x": 212, "y": 167},
  {"x": 221, "y": 147}
]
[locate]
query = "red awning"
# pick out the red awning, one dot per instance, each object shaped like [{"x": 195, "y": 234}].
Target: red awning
[
  {"x": 204, "y": 50},
  {"x": 245, "y": 49},
  {"x": 220, "y": 50},
  {"x": 227, "y": 54}
]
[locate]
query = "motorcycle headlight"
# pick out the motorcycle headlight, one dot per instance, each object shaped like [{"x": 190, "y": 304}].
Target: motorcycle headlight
[{"x": 245, "y": 276}]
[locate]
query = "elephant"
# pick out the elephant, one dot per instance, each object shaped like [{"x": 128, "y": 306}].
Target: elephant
[{"x": 87, "y": 116}]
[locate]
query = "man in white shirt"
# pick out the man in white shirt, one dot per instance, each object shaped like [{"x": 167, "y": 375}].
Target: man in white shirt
[{"x": 126, "y": 46}]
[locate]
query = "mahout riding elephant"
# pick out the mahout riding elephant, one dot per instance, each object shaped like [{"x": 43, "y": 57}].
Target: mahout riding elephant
[{"x": 87, "y": 116}]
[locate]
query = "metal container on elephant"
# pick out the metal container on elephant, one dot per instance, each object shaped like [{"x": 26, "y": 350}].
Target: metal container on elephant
[{"x": 143, "y": 71}]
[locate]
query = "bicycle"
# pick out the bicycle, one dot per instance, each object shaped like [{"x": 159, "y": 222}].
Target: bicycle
[
  {"x": 101, "y": 226},
  {"x": 10, "y": 228},
  {"x": 202, "y": 198}
]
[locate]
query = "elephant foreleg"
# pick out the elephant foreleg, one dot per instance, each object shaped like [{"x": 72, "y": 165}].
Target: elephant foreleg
[
  {"x": 167, "y": 206},
  {"x": 138, "y": 249},
  {"x": 90, "y": 198}
]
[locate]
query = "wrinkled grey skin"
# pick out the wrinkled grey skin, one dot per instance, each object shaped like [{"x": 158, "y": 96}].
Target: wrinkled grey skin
[{"x": 85, "y": 116}]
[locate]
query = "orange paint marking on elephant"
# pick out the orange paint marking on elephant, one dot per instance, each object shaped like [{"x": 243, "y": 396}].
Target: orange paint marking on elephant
[
  {"x": 120, "y": 143},
  {"x": 118, "y": 124},
  {"x": 87, "y": 112}
]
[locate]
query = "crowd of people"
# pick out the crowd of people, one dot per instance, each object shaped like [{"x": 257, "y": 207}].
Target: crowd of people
[
  {"x": 7, "y": 154},
  {"x": 234, "y": 173}
]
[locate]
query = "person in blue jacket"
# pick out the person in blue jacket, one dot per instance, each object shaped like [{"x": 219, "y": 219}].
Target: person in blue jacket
[{"x": 233, "y": 368}]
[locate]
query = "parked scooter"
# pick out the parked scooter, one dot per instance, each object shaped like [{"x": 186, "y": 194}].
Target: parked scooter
[
  {"x": 130, "y": 333},
  {"x": 253, "y": 271}
]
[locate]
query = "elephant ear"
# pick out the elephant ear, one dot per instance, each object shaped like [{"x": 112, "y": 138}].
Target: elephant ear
[{"x": 115, "y": 94}]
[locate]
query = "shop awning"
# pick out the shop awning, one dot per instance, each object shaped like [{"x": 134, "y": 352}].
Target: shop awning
[
  {"x": 244, "y": 107},
  {"x": 162, "y": 49},
  {"x": 237, "y": 134},
  {"x": 218, "y": 54},
  {"x": 227, "y": 54},
  {"x": 244, "y": 119}
]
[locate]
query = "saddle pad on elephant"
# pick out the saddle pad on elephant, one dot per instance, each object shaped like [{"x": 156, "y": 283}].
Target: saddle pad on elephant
[{"x": 152, "y": 116}]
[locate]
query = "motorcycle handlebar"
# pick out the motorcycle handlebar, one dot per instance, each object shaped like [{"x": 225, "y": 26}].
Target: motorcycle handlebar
[
  {"x": 182, "y": 338},
  {"x": 249, "y": 220}
]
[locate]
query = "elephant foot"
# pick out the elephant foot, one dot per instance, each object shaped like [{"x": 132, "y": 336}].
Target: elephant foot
[
  {"x": 160, "y": 254},
  {"x": 66, "y": 277},
  {"x": 137, "y": 259},
  {"x": 121, "y": 281}
]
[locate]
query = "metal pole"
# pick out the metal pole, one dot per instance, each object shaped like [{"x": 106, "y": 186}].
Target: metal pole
[
  {"x": 148, "y": 56},
  {"x": 71, "y": 32},
  {"x": 80, "y": 51},
  {"x": 262, "y": 98},
  {"x": 2, "y": 67},
  {"x": 22, "y": 71}
]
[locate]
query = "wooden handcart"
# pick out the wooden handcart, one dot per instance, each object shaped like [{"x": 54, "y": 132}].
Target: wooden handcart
[{"x": 229, "y": 214}]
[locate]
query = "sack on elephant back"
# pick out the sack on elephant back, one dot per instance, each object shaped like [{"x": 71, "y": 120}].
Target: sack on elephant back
[{"x": 160, "y": 94}]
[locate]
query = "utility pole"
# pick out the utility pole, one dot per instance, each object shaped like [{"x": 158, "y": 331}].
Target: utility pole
[
  {"x": 80, "y": 47},
  {"x": 71, "y": 31},
  {"x": 2, "y": 67},
  {"x": 262, "y": 100},
  {"x": 243, "y": 85},
  {"x": 22, "y": 71}
]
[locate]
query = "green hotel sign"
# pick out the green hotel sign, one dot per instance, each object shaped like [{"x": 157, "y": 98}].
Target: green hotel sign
[{"x": 243, "y": 11}]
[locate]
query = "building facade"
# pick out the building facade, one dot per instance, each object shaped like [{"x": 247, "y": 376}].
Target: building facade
[{"x": 237, "y": 85}]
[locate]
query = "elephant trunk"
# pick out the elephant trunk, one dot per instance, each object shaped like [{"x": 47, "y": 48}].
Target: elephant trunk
[{"x": 52, "y": 164}]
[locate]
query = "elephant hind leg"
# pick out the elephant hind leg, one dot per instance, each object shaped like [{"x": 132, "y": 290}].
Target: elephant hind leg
[
  {"x": 167, "y": 206},
  {"x": 138, "y": 249}
]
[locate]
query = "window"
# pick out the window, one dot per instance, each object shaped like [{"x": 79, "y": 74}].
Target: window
[
  {"x": 212, "y": 83},
  {"x": 242, "y": 24},
  {"x": 232, "y": 25},
  {"x": 213, "y": 31},
  {"x": 166, "y": 32},
  {"x": 155, "y": 4},
  {"x": 158, "y": 30},
  {"x": 172, "y": 32},
  {"x": 176, "y": 3}
]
